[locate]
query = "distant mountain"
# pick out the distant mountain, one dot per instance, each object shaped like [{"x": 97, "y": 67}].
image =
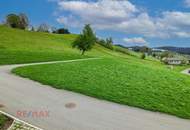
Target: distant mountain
[
  {"x": 135, "y": 48},
  {"x": 182, "y": 50}
]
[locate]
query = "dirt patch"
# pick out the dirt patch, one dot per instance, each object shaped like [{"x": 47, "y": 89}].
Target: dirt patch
[{"x": 70, "y": 105}]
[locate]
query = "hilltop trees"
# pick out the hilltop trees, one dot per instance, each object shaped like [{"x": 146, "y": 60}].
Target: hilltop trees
[
  {"x": 61, "y": 31},
  {"x": 13, "y": 20},
  {"x": 86, "y": 39},
  {"x": 17, "y": 21},
  {"x": 43, "y": 28},
  {"x": 21, "y": 21},
  {"x": 166, "y": 54},
  {"x": 108, "y": 43},
  {"x": 24, "y": 22}
]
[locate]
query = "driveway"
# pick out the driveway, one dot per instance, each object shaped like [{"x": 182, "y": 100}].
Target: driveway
[{"x": 73, "y": 111}]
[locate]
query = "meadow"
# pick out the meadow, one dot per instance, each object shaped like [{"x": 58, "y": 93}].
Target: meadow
[{"x": 18, "y": 46}]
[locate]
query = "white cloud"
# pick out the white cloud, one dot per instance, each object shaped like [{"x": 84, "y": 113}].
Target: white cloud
[
  {"x": 135, "y": 40},
  {"x": 174, "y": 24},
  {"x": 187, "y": 3},
  {"x": 103, "y": 14},
  {"x": 123, "y": 16}
]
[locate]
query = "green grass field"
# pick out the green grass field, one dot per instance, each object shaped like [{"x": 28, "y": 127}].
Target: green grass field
[
  {"x": 118, "y": 77},
  {"x": 18, "y": 46}
]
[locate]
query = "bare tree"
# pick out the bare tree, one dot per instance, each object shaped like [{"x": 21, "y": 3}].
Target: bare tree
[
  {"x": 43, "y": 28},
  {"x": 24, "y": 22}
]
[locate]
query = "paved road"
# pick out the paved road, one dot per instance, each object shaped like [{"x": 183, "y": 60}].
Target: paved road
[
  {"x": 186, "y": 71},
  {"x": 72, "y": 111}
]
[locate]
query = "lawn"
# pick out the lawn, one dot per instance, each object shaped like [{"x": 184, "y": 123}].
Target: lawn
[{"x": 131, "y": 81}]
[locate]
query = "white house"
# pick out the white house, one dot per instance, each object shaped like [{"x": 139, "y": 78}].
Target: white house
[{"x": 173, "y": 61}]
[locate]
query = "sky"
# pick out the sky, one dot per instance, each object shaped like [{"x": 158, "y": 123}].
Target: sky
[{"x": 129, "y": 22}]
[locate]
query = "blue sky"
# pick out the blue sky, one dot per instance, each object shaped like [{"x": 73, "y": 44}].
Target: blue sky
[{"x": 132, "y": 22}]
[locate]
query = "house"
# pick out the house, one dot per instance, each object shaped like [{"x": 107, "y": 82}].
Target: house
[{"x": 173, "y": 61}]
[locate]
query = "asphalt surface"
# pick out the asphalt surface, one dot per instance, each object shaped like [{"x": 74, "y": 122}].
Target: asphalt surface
[
  {"x": 187, "y": 71},
  {"x": 72, "y": 111}
]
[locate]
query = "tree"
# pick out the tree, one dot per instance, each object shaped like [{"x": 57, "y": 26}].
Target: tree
[
  {"x": 143, "y": 56},
  {"x": 13, "y": 20},
  {"x": 86, "y": 39},
  {"x": 144, "y": 49},
  {"x": 166, "y": 54},
  {"x": 62, "y": 31},
  {"x": 32, "y": 29},
  {"x": 154, "y": 55},
  {"x": 53, "y": 29},
  {"x": 17, "y": 21},
  {"x": 43, "y": 28},
  {"x": 24, "y": 22},
  {"x": 109, "y": 43}
]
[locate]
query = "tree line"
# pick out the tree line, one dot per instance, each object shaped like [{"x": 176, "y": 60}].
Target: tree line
[{"x": 21, "y": 21}]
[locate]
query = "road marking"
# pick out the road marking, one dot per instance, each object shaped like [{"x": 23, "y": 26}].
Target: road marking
[{"x": 14, "y": 118}]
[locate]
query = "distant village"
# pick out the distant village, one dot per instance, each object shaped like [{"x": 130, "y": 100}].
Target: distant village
[{"x": 167, "y": 57}]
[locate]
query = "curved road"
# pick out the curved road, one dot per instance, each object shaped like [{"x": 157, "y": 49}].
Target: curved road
[
  {"x": 186, "y": 71},
  {"x": 72, "y": 111}
]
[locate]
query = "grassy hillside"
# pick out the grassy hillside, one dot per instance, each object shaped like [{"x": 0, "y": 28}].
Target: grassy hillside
[
  {"x": 119, "y": 77},
  {"x": 18, "y": 46}
]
